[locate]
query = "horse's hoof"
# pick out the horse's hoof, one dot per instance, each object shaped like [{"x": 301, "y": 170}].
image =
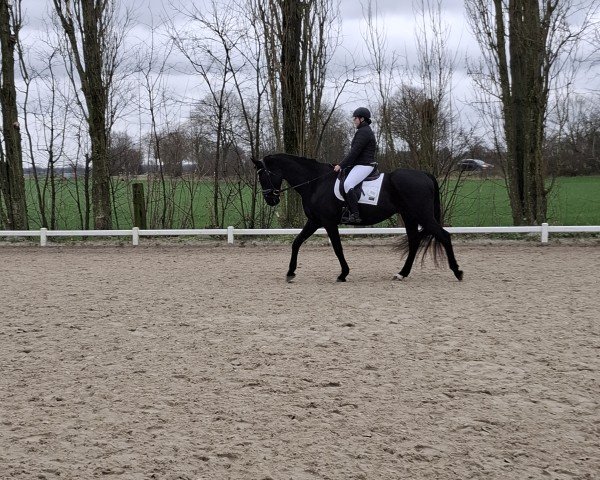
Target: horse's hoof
[
  {"x": 289, "y": 278},
  {"x": 459, "y": 275},
  {"x": 341, "y": 279},
  {"x": 398, "y": 277}
]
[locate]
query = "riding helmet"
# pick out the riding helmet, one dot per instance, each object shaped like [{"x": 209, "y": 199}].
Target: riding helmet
[{"x": 362, "y": 112}]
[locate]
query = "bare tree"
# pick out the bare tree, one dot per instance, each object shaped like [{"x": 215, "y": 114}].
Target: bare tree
[
  {"x": 209, "y": 50},
  {"x": 174, "y": 151},
  {"x": 56, "y": 130},
  {"x": 125, "y": 157},
  {"x": 157, "y": 105},
  {"x": 525, "y": 44},
  {"x": 383, "y": 64},
  {"x": 227, "y": 52},
  {"x": 251, "y": 86},
  {"x": 12, "y": 183},
  {"x": 575, "y": 148},
  {"x": 423, "y": 115},
  {"x": 243, "y": 63},
  {"x": 51, "y": 120},
  {"x": 418, "y": 121},
  {"x": 95, "y": 34},
  {"x": 299, "y": 40}
]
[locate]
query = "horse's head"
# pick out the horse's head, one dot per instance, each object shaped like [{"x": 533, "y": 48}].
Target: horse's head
[{"x": 270, "y": 181}]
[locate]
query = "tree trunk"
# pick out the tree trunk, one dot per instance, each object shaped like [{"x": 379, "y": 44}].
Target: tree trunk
[
  {"x": 522, "y": 59},
  {"x": 88, "y": 19},
  {"x": 528, "y": 104},
  {"x": 12, "y": 181},
  {"x": 515, "y": 120},
  {"x": 96, "y": 96},
  {"x": 292, "y": 95}
]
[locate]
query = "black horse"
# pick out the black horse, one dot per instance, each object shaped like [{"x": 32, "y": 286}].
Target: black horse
[{"x": 415, "y": 195}]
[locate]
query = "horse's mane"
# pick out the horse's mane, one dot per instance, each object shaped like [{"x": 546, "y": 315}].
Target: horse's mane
[{"x": 308, "y": 163}]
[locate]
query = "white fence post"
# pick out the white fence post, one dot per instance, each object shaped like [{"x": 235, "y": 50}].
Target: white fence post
[
  {"x": 544, "y": 233},
  {"x": 135, "y": 233},
  {"x": 43, "y": 237},
  {"x": 230, "y": 235}
]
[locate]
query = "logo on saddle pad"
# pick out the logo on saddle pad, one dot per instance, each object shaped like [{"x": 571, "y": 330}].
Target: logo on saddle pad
[{"x": 370, "y": 190}]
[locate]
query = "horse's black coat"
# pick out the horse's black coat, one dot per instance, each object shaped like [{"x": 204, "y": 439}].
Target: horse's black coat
[{"x": 413, "y": 194}]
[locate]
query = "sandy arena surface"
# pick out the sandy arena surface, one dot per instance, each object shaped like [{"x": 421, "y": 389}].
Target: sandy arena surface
[{"x": 200, "y": 362}]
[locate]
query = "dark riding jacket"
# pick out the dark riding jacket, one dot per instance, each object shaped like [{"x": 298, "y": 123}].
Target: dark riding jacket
[{"x": 362, "y": 148}]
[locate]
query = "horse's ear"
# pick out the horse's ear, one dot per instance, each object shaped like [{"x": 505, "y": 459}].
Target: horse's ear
[{"x": 260, "y": 164}]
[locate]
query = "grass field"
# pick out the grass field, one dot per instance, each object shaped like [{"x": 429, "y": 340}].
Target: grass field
[
  {"x": 480, "y": 202},
  {"x": 484, "y": 202}
]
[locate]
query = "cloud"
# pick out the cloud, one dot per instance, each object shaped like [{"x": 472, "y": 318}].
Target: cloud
[{"x": 395, "y": 17}]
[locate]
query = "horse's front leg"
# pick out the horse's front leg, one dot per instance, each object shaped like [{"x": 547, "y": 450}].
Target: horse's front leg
[
  {"x": 336, "y": 243},
  {"x": 310, "y": 228}
]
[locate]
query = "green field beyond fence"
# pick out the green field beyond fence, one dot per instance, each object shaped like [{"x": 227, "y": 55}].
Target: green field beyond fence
[
  {"x": 484, "y": 203},
  {"x": 480, "y": 202}
]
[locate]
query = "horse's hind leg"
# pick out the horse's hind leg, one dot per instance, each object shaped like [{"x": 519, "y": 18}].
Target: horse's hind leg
[
  {"x": 443, "y": 237},
  {"x": 413, "y": 239},
  {"x": 336, "y": 243},
  {"x": 310, "y": 228}
]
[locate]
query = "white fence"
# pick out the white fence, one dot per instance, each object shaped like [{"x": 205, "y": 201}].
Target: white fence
[{"x": 544, "y": 230}]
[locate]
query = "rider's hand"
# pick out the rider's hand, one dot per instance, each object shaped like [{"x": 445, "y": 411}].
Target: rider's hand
[{"x": 337, "y": 168}]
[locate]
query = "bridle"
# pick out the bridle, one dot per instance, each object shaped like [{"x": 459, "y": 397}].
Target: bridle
[
  {"x": 269, "y": 191},
  {"x": 278, "y": 191}
]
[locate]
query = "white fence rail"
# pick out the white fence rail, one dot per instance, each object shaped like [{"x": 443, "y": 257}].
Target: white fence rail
[{"x": 544, "y": 230}]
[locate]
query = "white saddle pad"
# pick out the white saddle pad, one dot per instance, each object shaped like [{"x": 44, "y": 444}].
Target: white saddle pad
[{"x": 370, "y": 191}]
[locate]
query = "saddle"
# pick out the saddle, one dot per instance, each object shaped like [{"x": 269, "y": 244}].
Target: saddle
[{"x": 374, "y": 175}]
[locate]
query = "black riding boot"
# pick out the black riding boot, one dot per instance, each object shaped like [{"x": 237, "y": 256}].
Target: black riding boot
[{"x": 352, "y": 198}]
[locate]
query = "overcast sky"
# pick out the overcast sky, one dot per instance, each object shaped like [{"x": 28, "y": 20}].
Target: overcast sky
[{"x": 396, "y": 17}]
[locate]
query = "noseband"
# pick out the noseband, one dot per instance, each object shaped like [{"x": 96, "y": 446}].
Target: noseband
[{"x": 274, "y": 192}]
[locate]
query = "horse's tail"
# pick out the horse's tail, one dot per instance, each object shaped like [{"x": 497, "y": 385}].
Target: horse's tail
[
  {"x": 437, "y": 202},
  {"x": 438, "y": 251},
  {"x": 427, "y": 240}
]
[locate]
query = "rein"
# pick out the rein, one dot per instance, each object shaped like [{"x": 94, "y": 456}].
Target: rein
[
  {"x": 304, "y": 183},
  {"x": 280, "y": 191}
]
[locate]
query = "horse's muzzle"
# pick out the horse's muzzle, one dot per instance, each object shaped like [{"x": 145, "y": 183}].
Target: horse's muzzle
[{"x": 272, "y": 197}]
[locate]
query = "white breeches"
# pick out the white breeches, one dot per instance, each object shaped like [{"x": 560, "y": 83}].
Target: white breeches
[{"x": 357, "y": 175}]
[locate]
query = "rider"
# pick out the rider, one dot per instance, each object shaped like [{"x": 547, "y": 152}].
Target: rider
[{"x": 361, "y": 160}]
